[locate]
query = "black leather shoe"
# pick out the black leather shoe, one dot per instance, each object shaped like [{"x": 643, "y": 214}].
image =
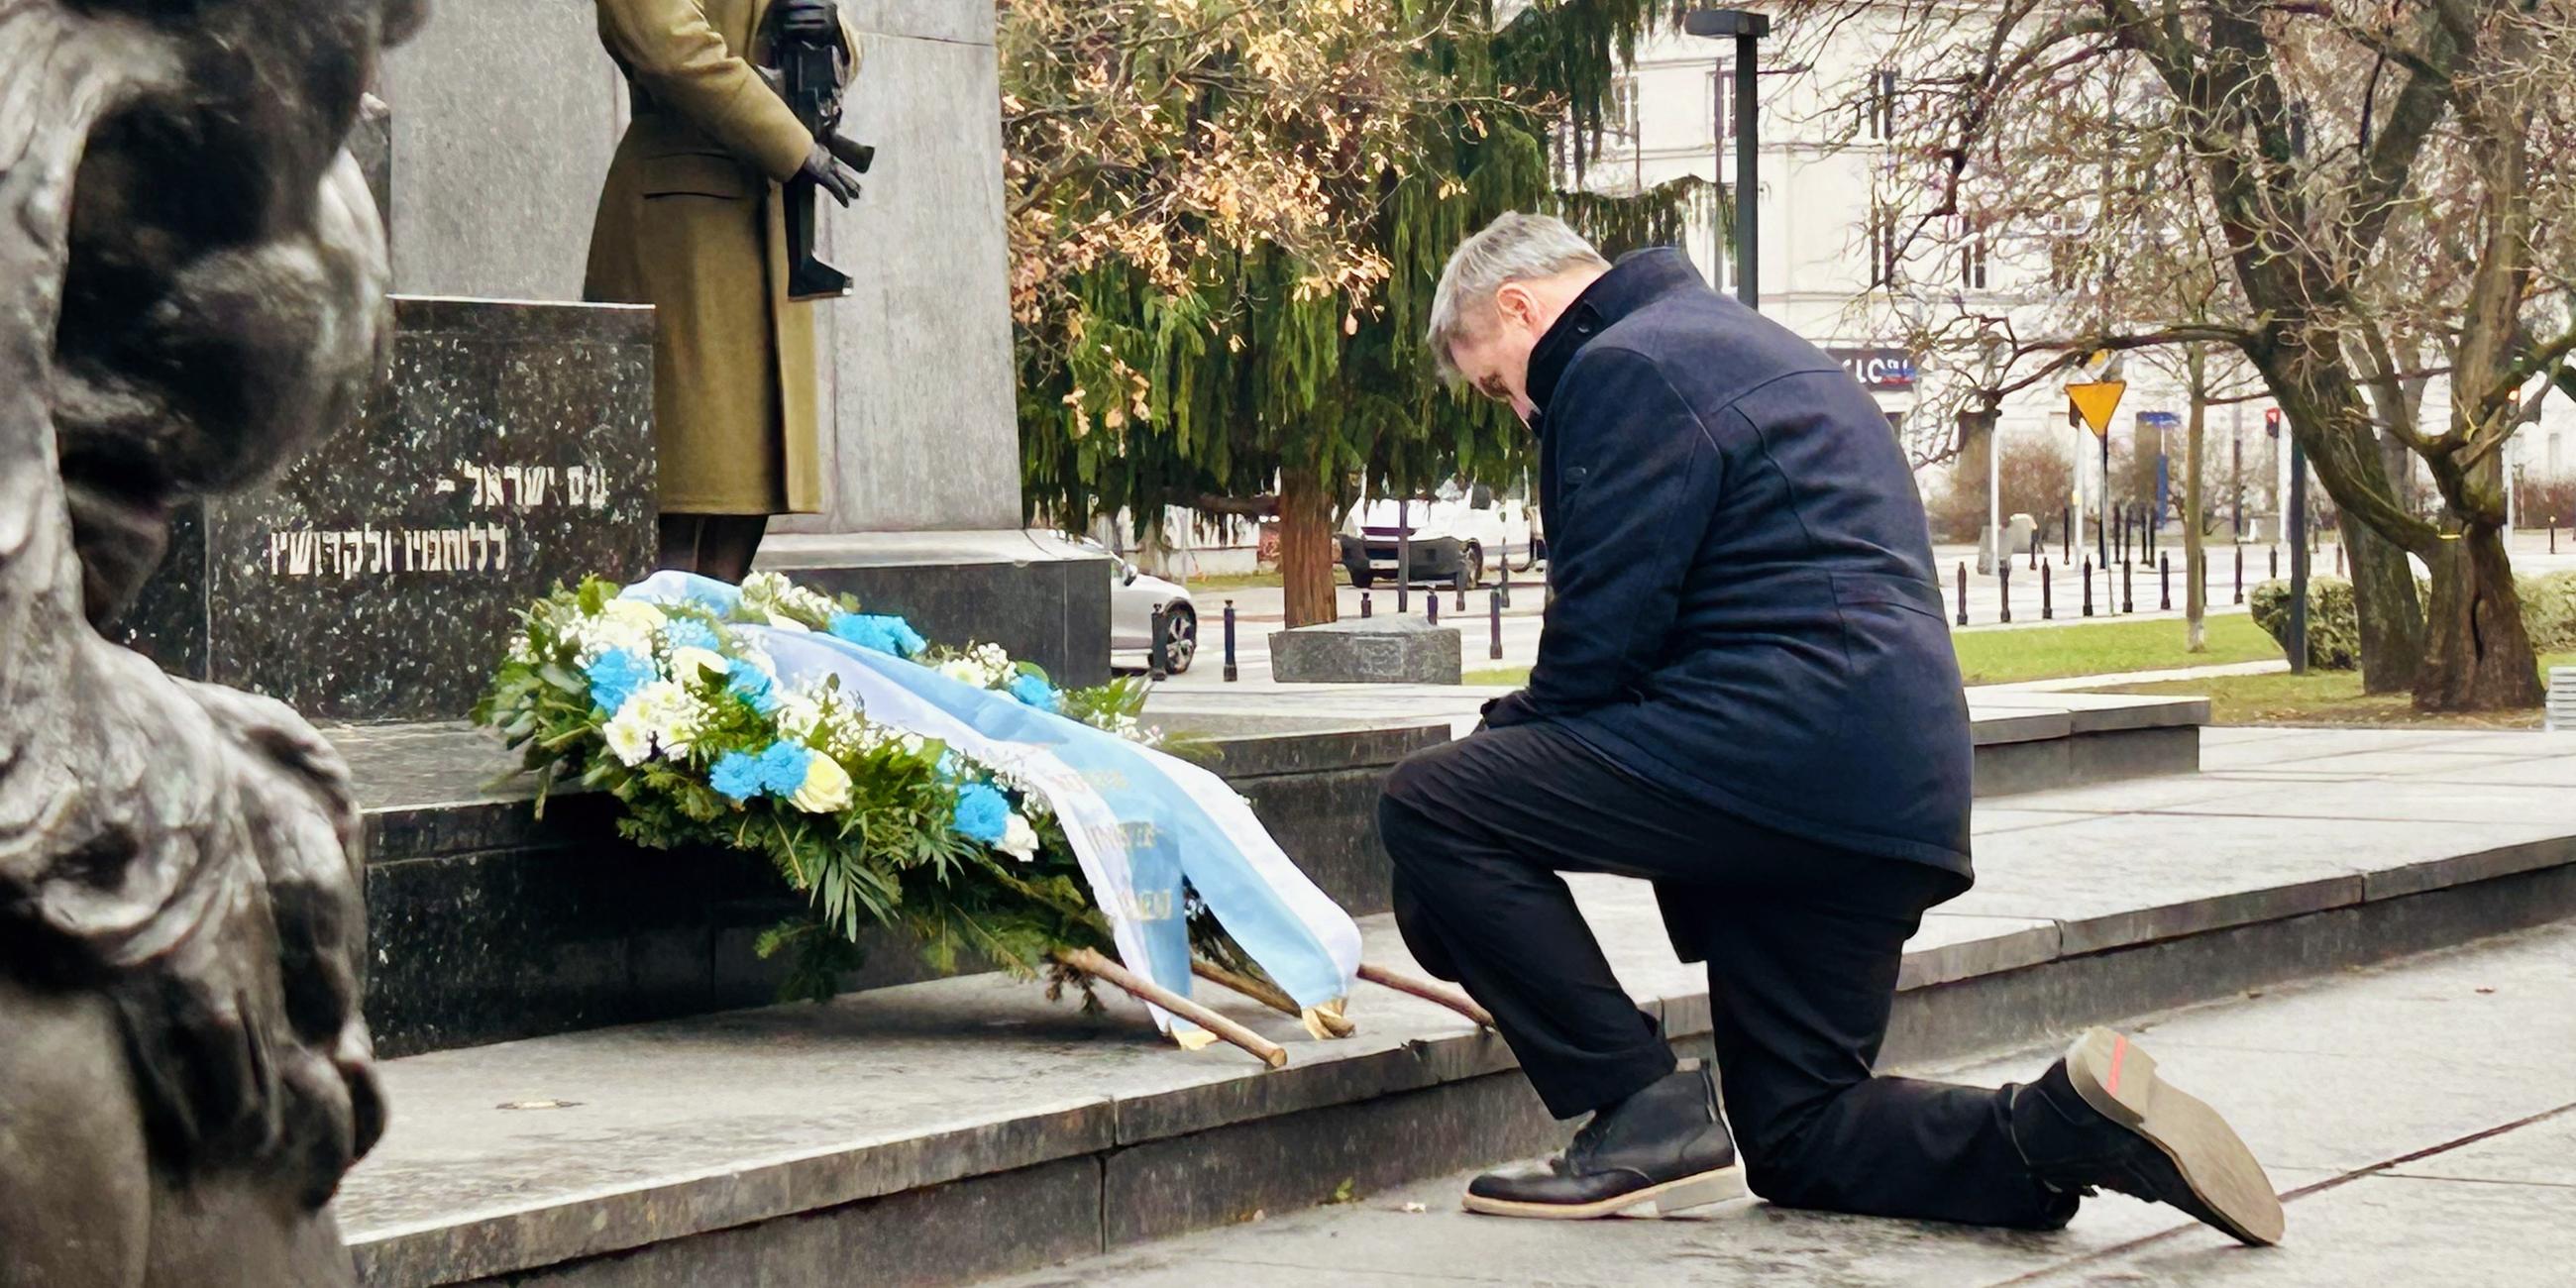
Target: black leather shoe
[
  {"x": 2102, "y": 1119},
  {"x": 1658, "y": 1152}
]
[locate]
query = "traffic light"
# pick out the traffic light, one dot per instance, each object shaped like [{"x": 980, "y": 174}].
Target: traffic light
[{"x": 2271, "y": 422}]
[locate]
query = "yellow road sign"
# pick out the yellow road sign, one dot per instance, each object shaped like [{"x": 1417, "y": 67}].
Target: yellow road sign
[{"x": 2096, "y": 401}]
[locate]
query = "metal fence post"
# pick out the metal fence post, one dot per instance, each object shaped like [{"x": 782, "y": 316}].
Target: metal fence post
[
  {"x": 1495, "y": 615},
  {"x": 2088, "y": 587},
  {"x": 2164, "y": 584},
  {"x": 2240, "y": 574},
  {"x": 2003, "y": 583},
  {"x": 2047, "y": 609},
  {"x": 1963, "y": 594},
  {"x": 1231, "y": 673},
  {"x": 1158, "y": 657},
  {"x": 2128, "y": 601}
]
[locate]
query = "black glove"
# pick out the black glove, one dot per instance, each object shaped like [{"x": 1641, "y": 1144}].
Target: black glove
[
  {"x": 829, "y": 174},
  {"x": 854, "y": 154}
]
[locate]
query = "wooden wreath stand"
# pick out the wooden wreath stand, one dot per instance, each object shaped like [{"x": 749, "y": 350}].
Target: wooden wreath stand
[{"x": 1093, "y": 962}]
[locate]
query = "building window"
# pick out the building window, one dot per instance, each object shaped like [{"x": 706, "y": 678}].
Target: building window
[
  {"x": 1878, "y": 113},
  {"x": 1972, "y": 254},
  {"x": 1882, "y": 247},
  {"x": 2065, "y": 262},
  {"x": 1721, "y": 102},
  {"x": 1619, "y": 114}
]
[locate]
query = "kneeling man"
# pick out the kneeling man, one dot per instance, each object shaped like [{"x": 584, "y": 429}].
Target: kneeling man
[{"x": 1745, "y": 693}]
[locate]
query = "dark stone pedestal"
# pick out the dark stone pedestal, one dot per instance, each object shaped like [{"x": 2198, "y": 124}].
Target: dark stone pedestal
[
  {"x": 486, "y": 923},
  {"x": 1369, "y": 650},
  {"x": 1045, "y": 600},
  {"x": 379, "y": 578}
]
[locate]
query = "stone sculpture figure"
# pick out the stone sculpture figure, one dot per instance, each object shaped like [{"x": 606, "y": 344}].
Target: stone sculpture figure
[{"x": 192, "y": 281}]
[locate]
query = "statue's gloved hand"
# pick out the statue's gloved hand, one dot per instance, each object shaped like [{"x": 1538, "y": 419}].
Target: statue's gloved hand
[
  {"x": 854, "y": 154},
  {"x": 831, "y": 175}
]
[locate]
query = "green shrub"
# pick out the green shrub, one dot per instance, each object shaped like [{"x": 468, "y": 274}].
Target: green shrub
[{"x": 2334, "y": 629}]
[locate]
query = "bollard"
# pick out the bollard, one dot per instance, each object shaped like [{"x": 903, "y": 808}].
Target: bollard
[
  {"x": 1231, "y": 673},
  {"x": 1505, "y": 590},
  {"x": 2003, "y": 583},
  {"x": 2066, "y": 532},
  {"x": 2553, "y": 534},
  {"x": 1431, "y": 607},
  {"x": 1462, "y": 590},
  {"x": 2034, "y": 550},
  {"x": 1365, "y": 606},
  {"x": 1963, "y": 594},
  {"x": 2240, "y": 574},
  {"x": 2164, "y": 584},
  {"x": 1158, "y": 658},
  {"x": 2128, "y": 602},
  {"x": 2088, "y": 588},
  {"x": 1495, "y": 615},
  {"x": 2276, "y": 563},
  {"x": 2047, "y": 610},
  {"x": 2338, "y": 558}
]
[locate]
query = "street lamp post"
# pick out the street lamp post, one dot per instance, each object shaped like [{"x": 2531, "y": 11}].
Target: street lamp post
[{"x": 1747, "y": 28}]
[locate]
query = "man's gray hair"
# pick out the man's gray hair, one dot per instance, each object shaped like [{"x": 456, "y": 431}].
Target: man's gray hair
[{"x": 1514, "y": 248}]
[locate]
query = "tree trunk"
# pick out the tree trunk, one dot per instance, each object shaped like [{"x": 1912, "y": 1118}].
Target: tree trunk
[
  {"x": 2480, "y": 657},
  {"x": 1306, "y": 548},
  {"x": 2384, "y": 596},
  {"x": 2195, "y": 556}
]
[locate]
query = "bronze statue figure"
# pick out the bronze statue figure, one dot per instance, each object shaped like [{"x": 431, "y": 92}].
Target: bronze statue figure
[{"x": 192, "y": 280}]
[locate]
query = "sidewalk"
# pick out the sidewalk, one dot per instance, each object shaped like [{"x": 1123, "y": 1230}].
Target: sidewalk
[
  {"x": 2445, "y": 1153},
  {"x": 961, "y": 1127}
]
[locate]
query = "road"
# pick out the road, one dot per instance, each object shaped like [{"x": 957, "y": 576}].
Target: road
[{"x": 2419, "y": 1119}]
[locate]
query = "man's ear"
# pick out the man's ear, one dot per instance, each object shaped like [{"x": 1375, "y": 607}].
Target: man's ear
[{"x": 1517, "y": 306}]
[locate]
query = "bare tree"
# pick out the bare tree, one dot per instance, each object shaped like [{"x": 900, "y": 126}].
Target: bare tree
[{"x": 2349, "y": 199}]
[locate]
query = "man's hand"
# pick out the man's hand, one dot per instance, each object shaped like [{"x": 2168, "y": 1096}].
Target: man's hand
[{"x": 829, "y": 174}]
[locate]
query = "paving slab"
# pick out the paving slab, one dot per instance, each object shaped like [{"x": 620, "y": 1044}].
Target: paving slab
[
  {"x": 2492, "y": 1210},
  {"x": 682, "y": 1126}
]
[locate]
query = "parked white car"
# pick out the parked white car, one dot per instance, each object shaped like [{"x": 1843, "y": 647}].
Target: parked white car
[
  {"x": 1460, "y": 531},
  {"x": 1133, "y": 597}
]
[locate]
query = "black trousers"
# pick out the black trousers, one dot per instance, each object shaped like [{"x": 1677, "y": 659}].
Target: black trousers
[{"x": 1802, "y": 942}]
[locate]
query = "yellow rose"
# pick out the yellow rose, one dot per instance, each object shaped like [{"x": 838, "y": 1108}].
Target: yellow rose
[{"x": 826, "y": 788}]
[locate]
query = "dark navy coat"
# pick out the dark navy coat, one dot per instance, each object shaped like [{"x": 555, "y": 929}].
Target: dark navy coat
[{"x": 1745, "y": 608}]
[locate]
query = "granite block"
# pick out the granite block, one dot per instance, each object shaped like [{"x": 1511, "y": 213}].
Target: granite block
[
  {"x": 2010, "y": 768},
  {"x": 380, "y": 576},
  {"x": 1039, "y": 599},
  {"x": 1190, "y": 1182},
  {"x": 505, "y": 113},
  {"x": 961, "y": 1232},
  {"x": 2146, "y": 752},
  {"x": 1371, "y": 650}
]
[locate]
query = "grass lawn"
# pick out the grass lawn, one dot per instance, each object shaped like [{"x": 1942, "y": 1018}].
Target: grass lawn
[
  {"x": 2089, "y": 648},
  {"x": 2324, "y": 698}
]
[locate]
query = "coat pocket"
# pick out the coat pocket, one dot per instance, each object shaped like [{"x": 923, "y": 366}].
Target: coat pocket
[
  {"x": 695, "y": 174},
  {"x": 1890, "y": 621}
]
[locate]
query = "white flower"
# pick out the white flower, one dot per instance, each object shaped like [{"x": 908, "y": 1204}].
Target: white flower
[
  {"x": 522, "y": 648},
  {"x": 807, "y": 604},
  {"x": 757, "y": 660},
  {"x": 670, "y": 713},
  {"x": 596, "y": 635},
  {"x": 798, "y": 716},
  {"x": 964, "y": 671},
  {"x": 763, "y": 585},
  {"x": 634, "y": 611},
  {"x": 785, "y": 623},
  {"x": 1019, "y": 840},
  {"x": 628, "y": 737},
  {"x": 826, "y": 788},
  {"x": 689, "y": 662}
]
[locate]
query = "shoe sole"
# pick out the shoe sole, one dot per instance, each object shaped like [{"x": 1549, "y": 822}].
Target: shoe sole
[
  {"x": 1653, "y": 1201},
  {"x": 2119, "y": 1080}
]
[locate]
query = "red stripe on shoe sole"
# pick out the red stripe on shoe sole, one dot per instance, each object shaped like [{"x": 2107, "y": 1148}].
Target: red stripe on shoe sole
[{"x": 2119, "y": 1048}]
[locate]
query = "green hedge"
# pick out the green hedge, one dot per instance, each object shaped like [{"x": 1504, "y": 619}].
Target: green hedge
[{"x": 2334, "y": 632}]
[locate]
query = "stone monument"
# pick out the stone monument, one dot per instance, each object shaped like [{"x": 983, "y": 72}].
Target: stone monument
[
  {"x": 192, "y": 281},
  {"x": 504, "y": 114}
]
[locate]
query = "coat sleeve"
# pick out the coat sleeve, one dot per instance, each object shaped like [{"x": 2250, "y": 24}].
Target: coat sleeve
[
  {"x": 672, "y": 51},
  {"x": 1639, "y": 477}
]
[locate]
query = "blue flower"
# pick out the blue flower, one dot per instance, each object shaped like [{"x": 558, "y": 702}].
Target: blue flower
[
  {"x": 1032, "y": 691},
  {"x": 782, "y": 768},
  {"x": 615, "y": 676},
  {"x": 689, "y": 632},
  {"x": 753, "y": 684},
  {"x": 737, "y": 776},
  {"x": 881, "y": 632},
  {"x": 983, "y": 814}
]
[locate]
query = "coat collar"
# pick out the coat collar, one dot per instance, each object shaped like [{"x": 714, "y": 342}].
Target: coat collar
[{"x": 1638, "y": 279}]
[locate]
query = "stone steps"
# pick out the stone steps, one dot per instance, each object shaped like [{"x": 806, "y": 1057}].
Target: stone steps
[
  {"x": 491, "y": 924},
  {"x": 950, "y": 1129}
]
